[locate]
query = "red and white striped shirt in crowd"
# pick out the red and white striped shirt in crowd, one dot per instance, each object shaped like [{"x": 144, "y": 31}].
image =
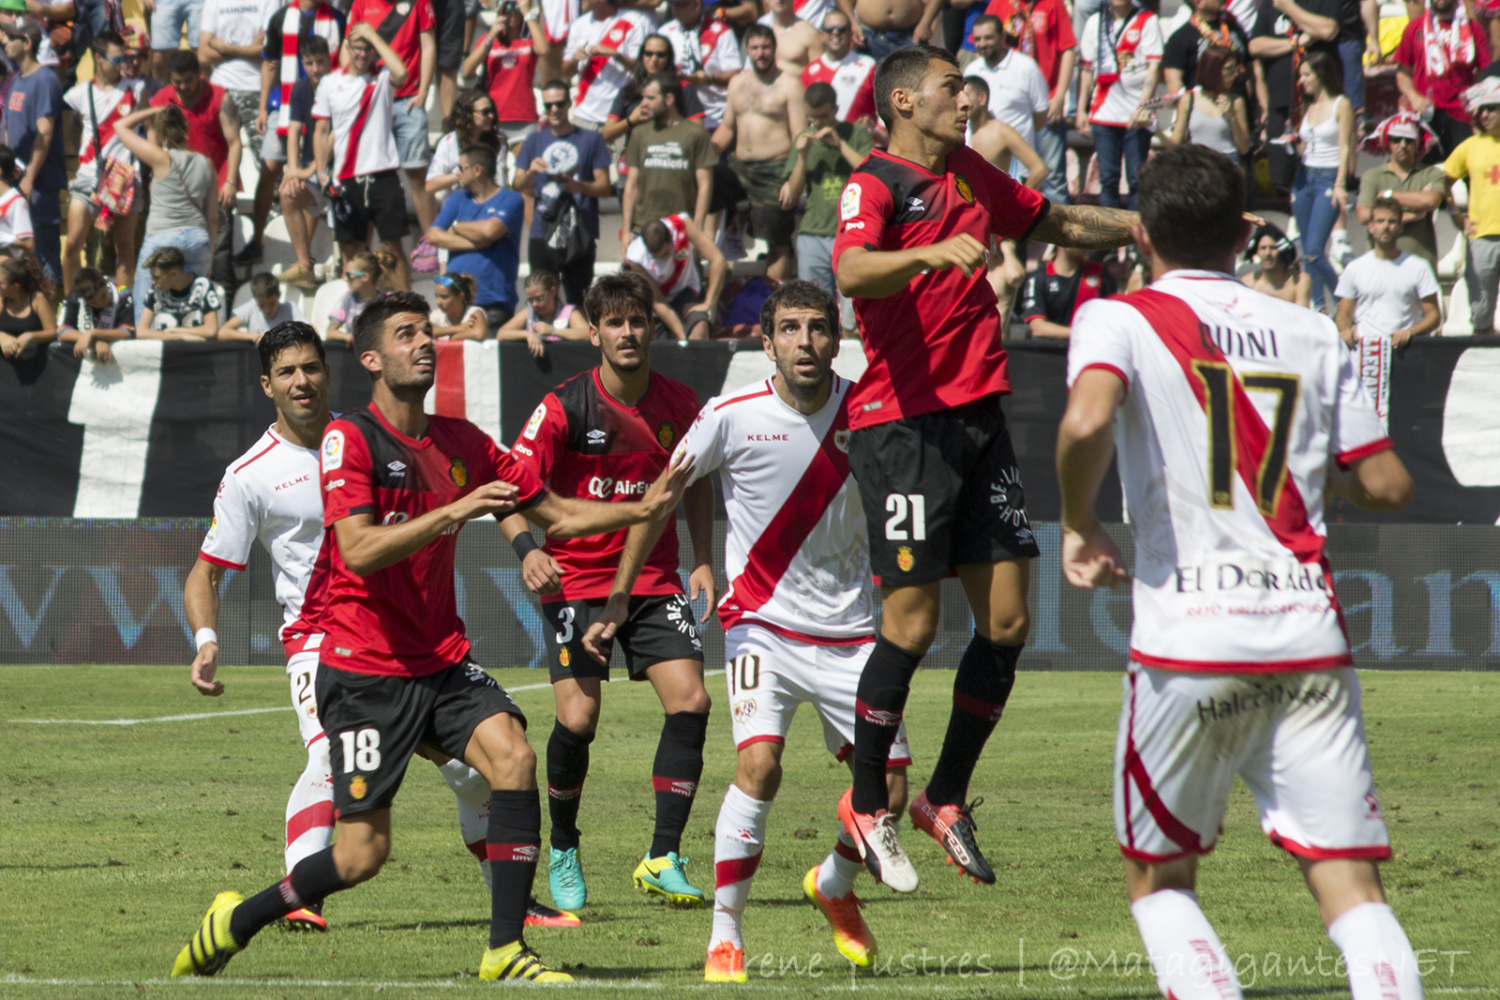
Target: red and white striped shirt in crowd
[
  {"x": 93, "y": 104},
  {"x": 852, "y": 79},
  {"x": 358, "y": 109}
]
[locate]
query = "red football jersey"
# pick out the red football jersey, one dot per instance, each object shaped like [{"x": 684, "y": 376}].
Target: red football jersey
[
  {"x": 401, "y": 621},
  {"x": 585, "y": 443},
  {"x": 401, "y": 25},
  {"x": 935, "y": 344}
]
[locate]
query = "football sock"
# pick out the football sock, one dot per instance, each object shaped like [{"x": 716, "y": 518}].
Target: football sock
[
  {"x": 309, "y": 809},
  {"x": 981, "y": 686},
  {"x": 739, "y": 838},
  {"x": 1379, "y": 958},
  {"x": 314, "y": 878},
  {"x": 473, "y": 793},
  {"x": 513, "y": 843},
  {"x": 836, "y": 873},
  {"x": 674, "y": 777},
  {"x": 1189, "y": 961},
  {"x": 878, "y": 703},
  {"x": 567, "y": 766}
]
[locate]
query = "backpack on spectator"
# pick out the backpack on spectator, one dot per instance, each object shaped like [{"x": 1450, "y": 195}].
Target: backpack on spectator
[{"x": 563, "y": 230}]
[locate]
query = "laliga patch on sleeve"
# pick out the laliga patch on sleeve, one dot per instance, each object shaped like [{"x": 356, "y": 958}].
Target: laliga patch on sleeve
[
  {"x": 535, "y": 423},
  {"x": 849, "y": 203},
  {"x": 333, "y": 451}
]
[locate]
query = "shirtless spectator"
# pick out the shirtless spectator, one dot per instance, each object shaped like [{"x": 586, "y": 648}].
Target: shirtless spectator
[
  {"x": 765, "y": 111},
  {"x": 883, "y": 26},
  {"x": 667, "y": 253},
  {"x": 602, "y": 47},
  {"x": 851, "y": 74},
  {"x": 669, "y": 159},
  {"x": 797, "y": 41},
  {"x": 996, "y": 141},
  {"x": 708, "y": 54}
]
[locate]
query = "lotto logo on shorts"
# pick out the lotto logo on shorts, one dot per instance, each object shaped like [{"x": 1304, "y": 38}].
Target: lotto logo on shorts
[
  {"x": 357, "y": 787},
  {"x": 744, "y": 710}
]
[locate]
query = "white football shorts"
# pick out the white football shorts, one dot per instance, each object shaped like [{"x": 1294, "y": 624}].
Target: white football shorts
[
  {"x": 1297, "y": 739},
  {"x": 769, "y": 675},
  {"x": 302, "y": 672}
]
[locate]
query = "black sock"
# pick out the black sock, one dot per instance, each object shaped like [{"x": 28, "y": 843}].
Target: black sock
[
  {"x": 314, "y": 878},
  {"x": 513, "y": 843},
  {"x": 878, "y": 703},
  {"x": 674, "y": 777},
  {"x": 985, "y": 676},
  {"x": 567, "y": 766}
]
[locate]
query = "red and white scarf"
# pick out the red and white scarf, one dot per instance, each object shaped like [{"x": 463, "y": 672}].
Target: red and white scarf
[
  {"x": 710, "y": 30},
  {"x": 611, "y": 39},
  {"x": 324, "y": 24},
  {"x": 1444, "y": 48}
]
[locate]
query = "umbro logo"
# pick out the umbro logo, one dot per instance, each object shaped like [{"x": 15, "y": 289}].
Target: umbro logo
[
  {"x": 398, "y": 467},
  {"x": 915, "y": 205},
  {"x": 596, "y": 437}
]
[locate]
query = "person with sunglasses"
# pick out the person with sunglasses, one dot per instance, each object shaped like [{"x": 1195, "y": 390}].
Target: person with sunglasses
[
  {"x": 33, "y": 129},
  {"x": 509, "y": 53},
  {"x": 707, "y": 56},
  {"x": 851, "y": 74},
  {"x": 658, "y": 55},
  {"x": 1418, "y": 187},
  {"x": 480, "y": 227}
]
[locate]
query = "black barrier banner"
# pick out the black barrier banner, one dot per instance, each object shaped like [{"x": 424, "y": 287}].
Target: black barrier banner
[
  {"x": 150, "y": 436},
  {"x": 105, "y": 591}
]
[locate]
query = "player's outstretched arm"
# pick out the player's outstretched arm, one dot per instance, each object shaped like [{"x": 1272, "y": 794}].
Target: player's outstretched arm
[
  {"x": 1085, "y": 441},
  {"x": 698, "y": 505},
  {"x": 878, "y": 274},
  {"x": 640, "y": 540},
  {"x": 1375, "y": 482},
  {"x": 569, "y": 517},
  {"x": 367, "y": 547},
  {"x": 1086, "y": 226},
  {"x": 200, "y": 603}
]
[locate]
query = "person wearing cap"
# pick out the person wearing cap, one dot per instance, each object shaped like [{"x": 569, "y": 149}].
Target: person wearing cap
[
  {"x": 1417, "y": 187},
  {"x": 1478, "y": 159},
  {"x": 31, "y": 123}
]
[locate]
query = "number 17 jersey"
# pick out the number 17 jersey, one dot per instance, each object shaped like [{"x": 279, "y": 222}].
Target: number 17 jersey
[{"x": 1236, "y": 404}]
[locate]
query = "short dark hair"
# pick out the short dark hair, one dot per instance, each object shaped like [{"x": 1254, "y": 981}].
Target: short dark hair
[
  {"x": 991, "y": 20},
  {"x": 102, "y": 41},
  {"x": 264, "y": 284},
  {"x": 1387, "y": 203},
  {"x": 979, "y": 83},
  {"x": 903, "y": 70},
  {"x": 286, "y": 334},
  {"x": 758, "y": 30},
  {"x": 368, "y": 327},
  {"x": 615, "y": 293},
  {"x": 313, "y": 45},
  {"x": 798, "y": 294},
  {"x": 167, "y": 258},
  {"x": 184, "y": 61},
  {"x": 481, "y": 156},
  {"x": 555, "y": 85},
  {"x": 820, "y": 94},
  {"x": 1192, "y": 204},
  {"x": 656, "y": 235},
  {"x": 670, "y": 85},
  {"x": 88, "y": 282}
]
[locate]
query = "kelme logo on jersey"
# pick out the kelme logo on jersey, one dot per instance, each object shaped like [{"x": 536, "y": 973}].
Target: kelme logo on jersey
[
  {"x": 357, "y": 787},
  {"x": 333, "y": 451},
  {"x": 665, "y": 435},
  {"x": 535, "y": 423},
  {"x": 904, "y": 559},
  {"x": 964, "y": 190},
  {"x": 459, "y": 472},
  {"x": 849, "y": 203}
]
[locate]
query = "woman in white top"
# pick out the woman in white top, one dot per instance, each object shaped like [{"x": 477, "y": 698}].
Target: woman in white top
[
  {"x": 1121, "y": 47},
  {"x": 1211, "y": 114},
  {"x": 1326, "y": 144},
  {"x": 456, "y": 316},
  {"x": 546, "y": 316}
]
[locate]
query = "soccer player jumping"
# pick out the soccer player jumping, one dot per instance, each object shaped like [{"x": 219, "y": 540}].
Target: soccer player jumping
[
  {"x": 1235, "y": 411},
  {"x": 929, "y": 445},
  {"x": 394, "y": 669}
]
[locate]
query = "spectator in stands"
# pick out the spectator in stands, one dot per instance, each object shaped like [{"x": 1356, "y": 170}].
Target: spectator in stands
[
  {"x": 264, "y": 310},
  {"x": 996, "y": 141},
  {"x": 764, "y": 112},
  {"x": 303, "y": 198},
  {"x": 1209, "y": 26},
  {"x": 827, "y": 152},
  {"x": 667, "y": 253},
  {"x": 670, "y": 161},
  {"x": 1043, "y": 31},
  {"x": 1053, "y": 293},
  {"x": 563, "y": 163},
  {"x": 1214, "y": 113},
  {"x": 509, "y": 53},
  {"x": 470, "y": 123},
  {"x": 448, "y": 23},
  {"x": 850, "y": 73},
  {"x": 148, "y": 86},
  {"x": 797, "y": 42},
  {"x": 657, "y": 56},
  {"x": 1387, "y": 292},
  {"x": 1326, "y": 141},
  {"x": 456, "y": 316},
  {"x": 1418, "y": 188},
  {"x": 547, "y": 316},
  {"x": 96, "y": 105},
  {"x": 16, "y": 235},
  {"x": 1278, "y": 272},
  {"x": 214, "y": 131},
  {"x": 1287, "y": 34},
  {"x": 355, "y": 146},
  {"x": 1121, "y": 49},
  {"x": 883, "y": 26},
  {"x": 706, "y": 54},
  {"x": 168, "y": 19},
  {"x": 480, "y": 227},
  {"x": 95, "y": 315},
  {"x": 179, "y": 305},
  {"x": 602, "y": 48},
  {"x": 28, "y": 319},
  {"x": 1439, "y": 55},
  {"x": 230, "y": 42},
  {"x": 184, "y": 207},
  {"x": 408, "y": 28},
  {"x": 367, "y": 273},
  {"x": 1018, "y": 91},
  {"x": 1476, "y": 158},
  {"x": 33, "y": 129}
]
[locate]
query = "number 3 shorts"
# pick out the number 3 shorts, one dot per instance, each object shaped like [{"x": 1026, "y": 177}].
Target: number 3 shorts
[
  {"x": 1297, "y": 739},
  {"x": 770, "y": 675},
  {"x": 660, "y": 628}
]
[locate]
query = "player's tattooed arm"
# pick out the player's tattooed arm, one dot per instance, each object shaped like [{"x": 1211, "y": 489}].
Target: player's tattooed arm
[{"x": 1086, "y": 226}]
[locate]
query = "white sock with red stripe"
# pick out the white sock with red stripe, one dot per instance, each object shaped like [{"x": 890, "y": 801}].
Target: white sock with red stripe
[
  {"x": 1379, "y": 958},
  {"x": 837, "y": 872},
  {"x": 1189, "y": 961},
  {"x": 739, "y": 837},
  {"x": 309, "y": 809},
  {"x": 473, "y": 793}
]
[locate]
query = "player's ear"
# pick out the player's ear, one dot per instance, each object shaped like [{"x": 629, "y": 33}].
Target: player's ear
[
  {"x": 594, "y": 335},
  {"x": 265, "y": 386},
  {"x": 1138, "y": 230}
]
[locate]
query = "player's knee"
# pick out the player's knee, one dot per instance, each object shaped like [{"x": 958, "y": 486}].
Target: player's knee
[
  {"x": 1010, "y": 626},
  {"x": 578, "y": 718},
  {"x": 758, "y": 775},
  {"x": 912, "y": 633},
  {"x": 360, "y": 861},
  {"x": 697, "y": 702}
]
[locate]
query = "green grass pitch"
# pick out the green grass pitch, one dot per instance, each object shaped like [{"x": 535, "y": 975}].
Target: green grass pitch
[{"x": 113, "y": 839}]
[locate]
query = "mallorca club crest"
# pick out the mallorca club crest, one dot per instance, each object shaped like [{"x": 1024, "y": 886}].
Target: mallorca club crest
[
  {"x": 458, "y": 472},
  {"x": 904, "y": 559},
  {"x": 564, "y": 657},
  {"x": 665, "y": 435},
  {"x": 357, "y": 787},
  {"x": 964, "y": 190}
]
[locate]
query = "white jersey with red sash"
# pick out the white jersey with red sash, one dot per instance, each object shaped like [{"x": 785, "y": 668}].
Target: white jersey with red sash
[
  {"x": 600, "y": 79},
  {"x": 1120, "y": 52},
  {"x": 557, "y": 17},
  {"x": 677, "y": 273},
  {"x": 707, "y": 47},
  {"x": 102, "y": 106},
  {"x": 1236, "y": 405},
  {"x": 358, "y": 109},
  {"x": 852, "y": 79}
]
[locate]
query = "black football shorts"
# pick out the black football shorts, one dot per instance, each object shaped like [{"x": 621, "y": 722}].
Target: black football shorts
[
  {"x": 660, "y": 628},
  {"x": 375, "y": 723},
  {"x": 940, "y": 490}
]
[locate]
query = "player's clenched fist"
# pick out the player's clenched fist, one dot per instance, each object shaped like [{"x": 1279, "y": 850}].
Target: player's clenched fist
[
  {"x": 962, "y": 251},
  {"x": 491, "y": 498},
  {"x": 205, "y": 665},
  {"x": 541, "y": 573}
]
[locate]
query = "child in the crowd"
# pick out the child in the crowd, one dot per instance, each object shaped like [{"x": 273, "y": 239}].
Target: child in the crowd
[
  {"x": 16, "y": 237},
  {"x": 264, "y": 310},
  {"x": 456, "y": 315},
  {"x": 368, "y": 274},
  {"x": 545, "y": 318},
  {"x": 96, "y": 314}
]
